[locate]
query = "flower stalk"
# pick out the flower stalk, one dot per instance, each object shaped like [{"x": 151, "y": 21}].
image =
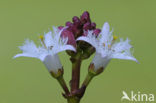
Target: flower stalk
[
  {"x": 76, "y": 64},
  {"x": 73, "y": 100},
  {"x": 63, "y": 85},
  {"x": 87, "y": 80}
]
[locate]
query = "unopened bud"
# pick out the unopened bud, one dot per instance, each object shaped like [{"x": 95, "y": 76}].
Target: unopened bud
[
  {"x": 85, "y": 17},
  {"x": 97, "y": 32},
  {"x": 68, "y": 34},
  {"x": 69, "y": 23},
  {"x": 76, "y": 19},
  {"x": 93, "y": 25},
  {"x": 87, "y": 26},
  {"x": 60, "y": 27}
]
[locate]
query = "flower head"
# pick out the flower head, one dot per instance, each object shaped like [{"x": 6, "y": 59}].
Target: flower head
[
  {"x": 107, "y": 47},
  {"x": 52, "y": 44},
  {"x": 79, "y": 27}
]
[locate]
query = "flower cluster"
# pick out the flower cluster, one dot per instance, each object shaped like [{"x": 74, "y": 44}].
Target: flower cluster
[
  {"x": 107, "y": 47},
  {"x": 79, "y": 27},
  {"x": 80, "y": 39}
]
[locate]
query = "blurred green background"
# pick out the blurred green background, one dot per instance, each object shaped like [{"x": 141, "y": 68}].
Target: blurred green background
[{"x": 26, "y": 80}]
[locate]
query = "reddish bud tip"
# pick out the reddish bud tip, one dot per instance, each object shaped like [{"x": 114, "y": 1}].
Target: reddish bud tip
[
  {"x": 96, "y": 32},
  {"x": 87, "y": 26},
  {"x": 85, "y": 17},
  {"x": 76, "y": 19},
  {"x": 76, "y": 22},
  {"x": 69, "y": 23},
  {"x": 60, "y": 27},
  {"x": 93, "y": 25},
  {"x": 70, "y": 36}
]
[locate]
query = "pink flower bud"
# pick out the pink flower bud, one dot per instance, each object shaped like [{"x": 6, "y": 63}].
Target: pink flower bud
[
  {"x": 68, "y": 34},
  {"x": 60, "y": 27},
  {"x": 93, "y": 25},
  {"x": 69, "y": 23},
  {"x": 96, "y": 32},
  {"x": 87, "y": 26},
  {"x": 85, "y": 17},
  {"x": 76, "y": 19}
]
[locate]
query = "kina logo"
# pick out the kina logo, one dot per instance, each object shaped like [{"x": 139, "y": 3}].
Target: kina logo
[{"x": 137, "y": 97}]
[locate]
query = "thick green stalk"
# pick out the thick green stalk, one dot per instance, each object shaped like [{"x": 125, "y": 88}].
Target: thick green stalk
[
  {"x": 73, "y": 100},
  {"x": 87, "y": 80}
]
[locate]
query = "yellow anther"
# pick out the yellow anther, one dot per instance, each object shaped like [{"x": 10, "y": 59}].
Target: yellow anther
[
  {"x": 41, "y": 37},
  {"x": 109, "y": 46},
  {"x": 115, "y": 37},
  {"x": 42, "y": 40},
  {"x": 104, "y": 44}
]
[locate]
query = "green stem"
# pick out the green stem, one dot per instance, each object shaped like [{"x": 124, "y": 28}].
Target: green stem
[
  {"x": 73, "y": 100},
  {"x": 87, "y": 80},
  {"x": 63, "y": 84}
]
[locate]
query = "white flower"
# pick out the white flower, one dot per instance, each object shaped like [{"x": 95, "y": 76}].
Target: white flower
[
  {"x": 107, "y": 48},
  {"x": 52, "y": 43}
]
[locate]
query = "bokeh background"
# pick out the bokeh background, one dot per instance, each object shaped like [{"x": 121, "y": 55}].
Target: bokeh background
[{"x": 26, "y": 80}]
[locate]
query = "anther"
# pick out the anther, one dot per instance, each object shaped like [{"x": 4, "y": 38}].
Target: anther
[
  {"x": 115, "y": 37},
  {"x": 42, "y": 40},
  {"x": 41, "y": 37},
  {"x": 109, "y": 46},
  {"x": 104, "y": 44}
]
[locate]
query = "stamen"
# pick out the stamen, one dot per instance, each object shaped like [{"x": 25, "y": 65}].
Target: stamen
[
  {"x": 113, "y": 41},
  {"x": 109, "y": 46},
  {"x": 41, "y": 37},
  {"x": 42, "y": 40},
  {"x": 104, "y": 44},
  {"x": 114, "y": 37}
]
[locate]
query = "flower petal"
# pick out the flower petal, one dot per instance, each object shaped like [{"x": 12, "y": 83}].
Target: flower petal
[
  {"x": 99, "y": 61},
  {"x": 29, "y": 49},
  {"x": 90, "y": 38},
  {"x": 122, "y": 46},
  {"x": 57, "y": 33},
  {"x": 48, "y": 39},
  {"x": 52, "y": 63},
  {"x": 61, "y": 48},
  {"x": 122, "y": 50},
  {"x": 105, "y": 33},
  {"x": 105, "y": 29},
  {"x": 24, "y": 55},
  {"x": 124, "y": 56}
]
